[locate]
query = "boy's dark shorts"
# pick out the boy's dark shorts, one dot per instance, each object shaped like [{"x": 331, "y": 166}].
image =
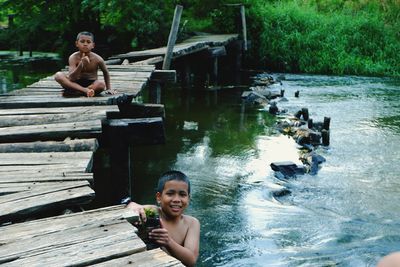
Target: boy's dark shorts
[{"x": 82, "y": 82}]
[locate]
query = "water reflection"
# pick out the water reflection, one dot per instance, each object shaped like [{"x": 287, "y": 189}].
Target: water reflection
[{"x": 18, "y": 72}]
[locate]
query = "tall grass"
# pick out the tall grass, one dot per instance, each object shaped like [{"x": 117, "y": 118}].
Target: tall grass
[{"x": 330, "y": 38}]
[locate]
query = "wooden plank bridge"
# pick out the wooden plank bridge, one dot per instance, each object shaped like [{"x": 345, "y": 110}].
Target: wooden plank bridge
[{"x": 48, "y": 144}]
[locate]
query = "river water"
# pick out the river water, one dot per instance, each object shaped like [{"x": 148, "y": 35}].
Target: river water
[{"x": 346, "y": 215}]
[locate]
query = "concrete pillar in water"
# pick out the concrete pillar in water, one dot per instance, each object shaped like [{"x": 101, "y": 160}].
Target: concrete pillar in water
[
  {"x": 310, "y": 123},
  {"x": 304, "y": 111},
  {"x": 325, "y": 137},
  {"x": 327, "y": 121}
]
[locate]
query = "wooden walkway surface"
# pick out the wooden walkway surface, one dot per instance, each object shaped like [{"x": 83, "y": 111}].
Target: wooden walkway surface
[
  {"x": 192, "y": 45},
  {"x": 102, "y": 236},
  {"x": 47, "y": 143}
]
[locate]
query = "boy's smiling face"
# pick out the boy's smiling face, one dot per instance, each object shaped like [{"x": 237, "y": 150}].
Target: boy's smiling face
[
  {"x": 174, "y": 198},
  {"x": 85, "y": 43}
]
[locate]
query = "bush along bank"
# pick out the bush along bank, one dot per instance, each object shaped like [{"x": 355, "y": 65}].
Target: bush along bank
[{"x": 301, "y": 38}]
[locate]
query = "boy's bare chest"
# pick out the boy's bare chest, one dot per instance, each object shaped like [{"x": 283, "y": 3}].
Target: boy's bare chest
[
  {"x": 91, "y": 67},
  {"x": 178, "y": 232}
]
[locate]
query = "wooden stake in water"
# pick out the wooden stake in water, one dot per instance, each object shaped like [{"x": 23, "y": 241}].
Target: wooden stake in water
[{"x": 172, "y": 37}]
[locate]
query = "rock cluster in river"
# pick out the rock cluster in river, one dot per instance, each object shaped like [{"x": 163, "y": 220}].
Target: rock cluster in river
[{"x": 267, "y": 92}]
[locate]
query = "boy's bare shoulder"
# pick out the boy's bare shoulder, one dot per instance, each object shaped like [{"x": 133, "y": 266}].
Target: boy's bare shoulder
[
  {"x": 190, "y": 220},
  {"x": 74, "y": 56},
  {"x": 98, "y": 57}
]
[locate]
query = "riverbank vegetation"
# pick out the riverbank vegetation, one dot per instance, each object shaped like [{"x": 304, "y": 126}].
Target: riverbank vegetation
[{"x": 356, "y": 37}]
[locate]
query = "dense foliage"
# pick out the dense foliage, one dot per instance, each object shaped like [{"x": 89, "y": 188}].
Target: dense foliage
[
  {"x": 331, "y": 37},
  {"x": 313, "y": 36}
]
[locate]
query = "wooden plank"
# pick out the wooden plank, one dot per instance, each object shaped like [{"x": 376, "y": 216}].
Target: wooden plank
[
  {"x": 82, "y": 114},
  {"x": 39, "y": 189},
  {"x": 59, "y": 110},
  {"x": 44, "y": 158},
  {"x": 113, "y": 61},
  {"x": 191, "y": 45},
  {"x": 164, "y": 76},
  {"x": 20, "y": 205},
  {"x": 45, "y": 175},
  {"x": 150, "y": 258},
  {"x": 244, "y": 27},
  {"x": 172, "y": 37},
  {"x": 84, "y": 238},
  {"x": 80, "y": 166},
  {"x": 217, "y": 51},
  {"x": 132, "y": 68},
  {"x": 50, "y": 161},
  {"x": 51, "y": 146},
  {"x": 124, "y": 68},
  {"x": 77, "y": 247},
  {"x": 8, "y": 188},
  {"x": 137, "y": 110},
  {"x": 142, "y": 131},
  {"x": 51, "y": 101},
  {"x": 46, "y": 226},
  {"x": 152, "y": 60},
  {"x": 116, "y": 74},
  {"x": 46, "y": 132}
]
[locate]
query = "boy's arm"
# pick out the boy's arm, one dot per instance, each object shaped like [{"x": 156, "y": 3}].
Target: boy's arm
[
  {"x": 106, "y": 74},
  {"x": 189, "y": 252},
  {"x": 75, "y": 67},
  {"x": 140, "y": 209}
]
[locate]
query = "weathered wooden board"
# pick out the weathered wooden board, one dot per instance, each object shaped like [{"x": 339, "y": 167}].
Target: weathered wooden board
[
  {"x": 114, "y": 76},
  {"x": 36, "y": 189},
  {"x": 82, "y": 114},
  {"x": 44, "y": 175},
  {"x": 46, "y": 164},
  {"x": 126, "y": 68},
  {"x": 41, "y": 101},
  {"x": 59, "y": 110},
  {"x": 142, "y": 67},
  {"x": 38, "y": 116},
  {"x": 142, "y": 131},
  {"x": 83, "y": 238},
  {"x": 41, "y": 198},
  {"x": 150, "y": 258},
  {"x": 46, "y": 226},
  {"x": 55, "y": 131},
  {"x": 51, "y": 146},
  {"x": 191, "y": 45},
  {"x": 152, "y": 60},
  {"x": 164, "y": 75},
  {"x": 7, "y": 188}
]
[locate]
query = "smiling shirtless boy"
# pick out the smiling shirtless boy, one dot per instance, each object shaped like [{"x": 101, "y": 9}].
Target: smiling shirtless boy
[{"x": 179, "y": 234}]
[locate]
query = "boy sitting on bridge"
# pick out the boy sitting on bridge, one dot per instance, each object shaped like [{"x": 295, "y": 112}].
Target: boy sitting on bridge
[
  {"x": 83, "y": 67},
  {"x": 179, "y": 234}
]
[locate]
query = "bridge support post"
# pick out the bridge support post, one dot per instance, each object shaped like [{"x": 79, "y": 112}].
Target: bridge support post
[{"x": 154, "y": 92}]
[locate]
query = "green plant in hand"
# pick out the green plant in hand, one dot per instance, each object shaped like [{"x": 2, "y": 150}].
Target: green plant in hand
[{"x": 151, "y": 212}]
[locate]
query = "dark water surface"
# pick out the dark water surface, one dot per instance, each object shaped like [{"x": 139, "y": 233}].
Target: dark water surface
[
  {"x": 19, "y": 71},
  {"x": 346, "y": 215}
]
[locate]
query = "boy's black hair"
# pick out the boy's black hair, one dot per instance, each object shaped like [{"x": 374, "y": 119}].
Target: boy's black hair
[
  {"x": 85, "y": 33},
  {"x": 172, "y": 176}
]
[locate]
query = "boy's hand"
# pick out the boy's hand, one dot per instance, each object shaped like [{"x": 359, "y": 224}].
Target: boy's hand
[
  {"x": 139, "y": 209},
  {"x": 160, "y": 235},
  {"x": 85, "y": 60}
]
